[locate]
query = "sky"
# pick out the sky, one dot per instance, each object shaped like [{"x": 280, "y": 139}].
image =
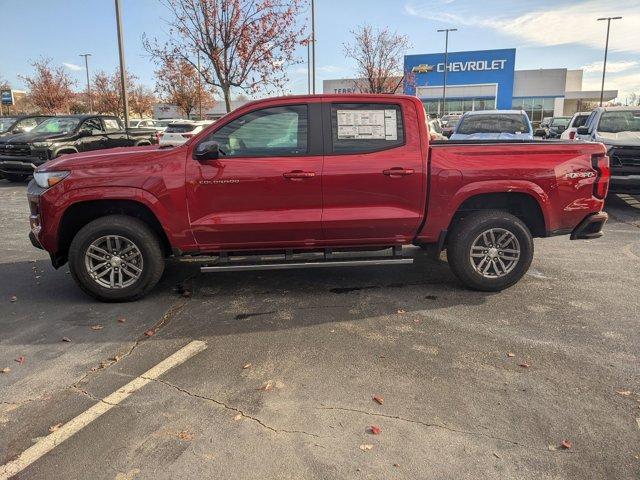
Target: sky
[{"x": 546, "y": 34}]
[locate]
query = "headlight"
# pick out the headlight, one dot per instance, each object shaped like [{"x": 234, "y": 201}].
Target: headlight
[
  {"x": 41, "y": 144},
  {"x": 49, "y": 179}
]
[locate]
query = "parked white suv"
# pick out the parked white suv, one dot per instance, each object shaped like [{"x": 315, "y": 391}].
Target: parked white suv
[{"x": 578, "y": 120}]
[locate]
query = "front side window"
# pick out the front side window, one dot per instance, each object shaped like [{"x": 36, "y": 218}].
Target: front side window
[
  {"x": 366, "y": 127},
  {"x": 621, "y": 121},
  {"x": 277, "y": 131},
  {"x": 92, "y": 124},
  {"x": 27, "y": 124},
  {"x": 494, "y": 123}
]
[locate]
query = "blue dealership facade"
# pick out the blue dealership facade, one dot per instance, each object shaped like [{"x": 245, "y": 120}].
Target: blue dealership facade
[{"x": 487, "y": 80}]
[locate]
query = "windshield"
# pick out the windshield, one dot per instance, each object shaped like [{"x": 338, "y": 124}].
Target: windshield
[
  {"x": 57, "y": 125},
  {"x": 560, "y": 121},
  {"x": 616, "y": 122},
  {"x": 494, "y": 123},
  {"x": 5, "y": 123}
]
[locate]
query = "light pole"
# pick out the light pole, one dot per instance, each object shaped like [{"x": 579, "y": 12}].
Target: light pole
[
  {"x": 86, "y": 66},
  {"x": 446, "y": 59},
  {"x": 313, "y": 46},
  {"x": 123, "y": 71},
  {"x": 606, "y": 50}
]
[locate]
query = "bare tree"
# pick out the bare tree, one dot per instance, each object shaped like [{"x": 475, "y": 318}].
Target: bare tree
[
  {"x": 49, "y": 87},
  {"x": 179, "y": 83},
  {"x": 141, "y": 100},
  {"x": 378, "y": 54},
  {"x": 244, "y": 44}
]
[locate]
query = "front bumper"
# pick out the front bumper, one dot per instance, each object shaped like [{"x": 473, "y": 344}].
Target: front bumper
[
  {"x": 19, "y": 165},
  {"x": 624, "y": 184},
  {"x": 590, "y": 227}
]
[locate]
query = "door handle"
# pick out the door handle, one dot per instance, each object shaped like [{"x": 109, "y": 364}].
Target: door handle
[
  {"x": 398, "y": 172},
  {"x": 299, "y": 174}
]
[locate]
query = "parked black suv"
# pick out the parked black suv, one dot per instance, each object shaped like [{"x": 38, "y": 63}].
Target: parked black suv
[{"x": 20, "y": 154}]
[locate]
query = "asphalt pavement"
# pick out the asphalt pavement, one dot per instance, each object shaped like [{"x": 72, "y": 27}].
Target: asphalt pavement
[{"x": 372, "y": 372}]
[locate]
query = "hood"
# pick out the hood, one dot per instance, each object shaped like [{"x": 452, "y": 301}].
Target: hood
[
  {"x": 99, "y": 158},
  {"x": 29, "y": 137},
  {"x": 620, "y": 138},
  {"x": 492, "y": 136}
]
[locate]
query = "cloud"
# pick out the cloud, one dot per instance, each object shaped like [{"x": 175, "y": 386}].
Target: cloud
[
  {"x": 73, "y": 67},
  {"x": 612, "y": 67},
  {"x": 549, "y": 26},
  {"x": 330, "y": 69},
  {"x": 625, "y": 84}
]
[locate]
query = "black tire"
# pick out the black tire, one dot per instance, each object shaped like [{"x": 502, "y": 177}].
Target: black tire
[
  {"x": 468, "y": 230},
  {"x": 16, "y": 177},
  {"x": 134, "y": 231}
]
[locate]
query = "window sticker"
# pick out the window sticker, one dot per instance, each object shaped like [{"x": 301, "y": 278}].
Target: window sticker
[{"x": 367, "y": 125}]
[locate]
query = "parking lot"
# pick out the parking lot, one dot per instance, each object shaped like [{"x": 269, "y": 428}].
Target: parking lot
[{"x": 466, "y": 384}]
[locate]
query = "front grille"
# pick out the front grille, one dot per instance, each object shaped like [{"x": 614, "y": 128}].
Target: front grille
[
  {"x": 15, "y": 149},
  {"x": 625, "y": 156}
]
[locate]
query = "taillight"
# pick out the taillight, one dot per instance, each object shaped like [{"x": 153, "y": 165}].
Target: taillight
[
  {"x": 600, "y": 164},
  {"x": 572, "y": 135},
  {"x": 187, "y": 135}
]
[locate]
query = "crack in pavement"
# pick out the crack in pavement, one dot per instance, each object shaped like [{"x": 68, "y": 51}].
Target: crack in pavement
[
  {"x": 92, "y": 397},
  {"x": 434, "y": 425},
  {"x": 233, "y": 409}
]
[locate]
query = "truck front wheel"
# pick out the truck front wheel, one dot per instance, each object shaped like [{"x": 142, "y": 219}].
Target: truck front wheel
[
  {"x": 116, "y": 258},
  {"x": 490, "y": 250}
]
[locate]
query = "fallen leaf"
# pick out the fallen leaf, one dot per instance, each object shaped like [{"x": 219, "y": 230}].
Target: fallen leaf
[
  {"x": 366, "y": 446},
  {"x": 150, "y": 333},
  {"x": 524, "y": 365},
  {"x": 55, "y": 427},
  {"x": 374, "y": 430},
  {"x": 184, "y": 435},
  {"x": 20, "y": 359},
  {"x": 396, "y": 464},
  {"x": 186, "y": 294},
  {"x": 566, "y": 444},
  {"x": 122, "y": 320},
  {"x": 378, "y": 399},
  {"x": 401, "y": 311},
  {"x": 14, "y": 298},
  {"x": 97, "y": 327},
  {"x": 66, "y": 339},
  {"x": 5, "y": 370},
  {"x": 332, "y": 331},
  {"x": 496, "y": 455},
  {"x": 511, "y": 354},
  {"x": 624, "y": 393},
  {"x": 115, "y": 358},
  {"x": 267, "y": 386},
  {"x": 238, "y": 417},
  {"x": 246, "y": 365}
]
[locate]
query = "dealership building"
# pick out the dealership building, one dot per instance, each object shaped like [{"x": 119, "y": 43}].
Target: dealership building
[{"x": 487, "y": 79}]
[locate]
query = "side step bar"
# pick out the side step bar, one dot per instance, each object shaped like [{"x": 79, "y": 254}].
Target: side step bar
[{"x": 223, "y": 264}]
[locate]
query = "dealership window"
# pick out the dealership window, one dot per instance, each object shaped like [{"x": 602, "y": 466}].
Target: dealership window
[
  {"x": 434, "y": 107},
  {"x": 536, "y": 108},
  {"x": 366, "y": 127}
]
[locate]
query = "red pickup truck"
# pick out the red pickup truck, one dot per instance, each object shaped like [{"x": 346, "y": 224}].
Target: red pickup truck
[{"x": 308, "y": 178}]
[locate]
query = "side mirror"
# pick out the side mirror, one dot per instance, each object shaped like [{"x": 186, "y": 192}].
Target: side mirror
[
  {"x": 207, "y": 151},
  {"x": 583, "y": 130}
]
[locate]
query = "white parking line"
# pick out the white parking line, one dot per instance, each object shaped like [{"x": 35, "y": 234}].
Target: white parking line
[
  {"x": 48, "y": 443},
  {"x": 630, "y": 200}
]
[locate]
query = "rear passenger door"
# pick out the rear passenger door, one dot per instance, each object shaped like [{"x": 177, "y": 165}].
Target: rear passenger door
[
  {"x": 373, "y": 179},
  {"x": 116, "y": 136}
]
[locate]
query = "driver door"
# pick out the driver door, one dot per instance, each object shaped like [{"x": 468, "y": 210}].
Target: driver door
[
  {"x": 95, "y": 136},
  {"x": 264, "y": 190}
]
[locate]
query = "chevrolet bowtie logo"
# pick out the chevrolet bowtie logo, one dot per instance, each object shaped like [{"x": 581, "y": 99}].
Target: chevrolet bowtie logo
[{"x": 423, "y": 68}]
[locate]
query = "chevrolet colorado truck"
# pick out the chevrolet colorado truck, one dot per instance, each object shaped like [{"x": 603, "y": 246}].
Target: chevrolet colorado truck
[
  {"x": 21, "y": 154},
  {"x": 298, "y": 181}
]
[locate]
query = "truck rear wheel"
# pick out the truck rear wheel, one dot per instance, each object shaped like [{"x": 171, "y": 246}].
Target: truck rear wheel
[
  {"x": 490, "y": 250},
  {"x": 116, "y": 258}
]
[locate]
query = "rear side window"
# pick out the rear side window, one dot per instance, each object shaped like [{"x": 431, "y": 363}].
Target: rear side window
[
  {"x": 498, "y": 123},
  {"x": 580, "y": 121},
  {"x": 180, "y": 128},
  {"x": 366, "y": 127}
]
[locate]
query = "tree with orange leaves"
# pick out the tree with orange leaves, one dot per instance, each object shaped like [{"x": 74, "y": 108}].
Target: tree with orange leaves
[
  {"x": 49, "y": 88},
  {"x": 178, "y": 83}
]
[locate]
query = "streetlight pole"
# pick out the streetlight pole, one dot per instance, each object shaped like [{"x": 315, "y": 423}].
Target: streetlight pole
[
  {"x": 199, "y": 89},
  {"x": 446, "y": 60},
  {"x": 123, "y": 71},
  {"x": 606, "y": 51},
  {"x": 86, "y": 66},
  {"x": 313, "y": 45}
]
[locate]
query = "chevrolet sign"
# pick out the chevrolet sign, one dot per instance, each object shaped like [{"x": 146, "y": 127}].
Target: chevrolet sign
[
  {"x": 472, "y": 66},
  {"x": 423, "y": 68}
]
